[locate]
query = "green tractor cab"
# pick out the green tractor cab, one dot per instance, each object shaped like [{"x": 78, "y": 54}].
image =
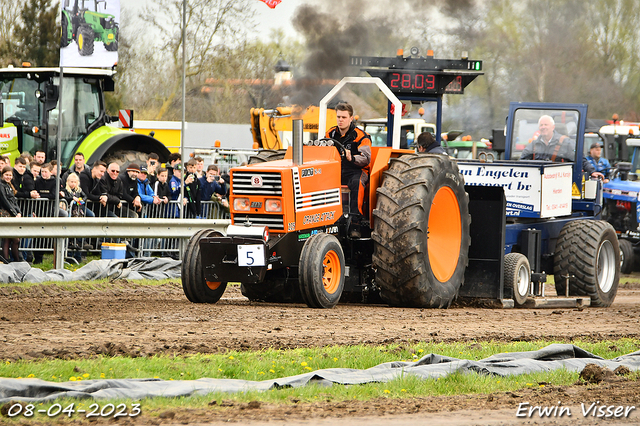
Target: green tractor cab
[
  {"x": 30, "y": 105},
  {"x": 84, "y": 23}
]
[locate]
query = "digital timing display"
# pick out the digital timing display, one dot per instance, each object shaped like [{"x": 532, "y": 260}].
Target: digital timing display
[{"x": 421, "y": 82}]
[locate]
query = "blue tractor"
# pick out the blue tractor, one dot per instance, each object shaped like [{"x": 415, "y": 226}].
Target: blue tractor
[{"x": 620, "y": 205}]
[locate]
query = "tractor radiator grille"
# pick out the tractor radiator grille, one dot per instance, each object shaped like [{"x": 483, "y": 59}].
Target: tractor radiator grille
[
  {"x": 256, "y": 183},
  {"x": 274, "y": 222}
]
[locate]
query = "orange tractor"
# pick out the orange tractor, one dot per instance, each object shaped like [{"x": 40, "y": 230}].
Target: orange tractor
[{"x": 289, "y": 239}]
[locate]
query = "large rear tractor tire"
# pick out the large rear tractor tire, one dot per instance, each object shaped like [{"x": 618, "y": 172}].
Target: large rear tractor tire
[
  {"x": 124, "y": 158},
  {"x": 421, "y": 232},
  {"x": 517, "y": 276},
  {"x": 85, "y": 39},
  {"x": 266, "y": 155},
  {"x": 195, "y": 286},
  {"x": 588, "y": 250},
  {"x": 321, "y": 271},
  {"x": 627, "y": 256}
]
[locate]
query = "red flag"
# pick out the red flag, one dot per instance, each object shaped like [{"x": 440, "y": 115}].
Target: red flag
[{"x": 271, "y": 3}]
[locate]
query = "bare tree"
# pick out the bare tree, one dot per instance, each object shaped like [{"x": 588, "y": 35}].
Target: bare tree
[{"x": 211, "y": 25}]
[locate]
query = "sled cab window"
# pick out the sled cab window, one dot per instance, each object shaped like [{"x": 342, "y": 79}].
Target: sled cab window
[{"x": 547, "y": 135}]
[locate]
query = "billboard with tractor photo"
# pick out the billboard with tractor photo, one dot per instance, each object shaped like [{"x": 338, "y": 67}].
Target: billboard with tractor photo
[{"x": 89, "y": 33}]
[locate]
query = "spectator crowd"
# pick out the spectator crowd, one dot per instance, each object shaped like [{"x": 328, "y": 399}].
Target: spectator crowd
[{"x": 106, "y": 190}]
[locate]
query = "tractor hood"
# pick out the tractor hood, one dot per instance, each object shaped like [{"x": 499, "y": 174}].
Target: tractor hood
[{"x": 621, "y": 190}]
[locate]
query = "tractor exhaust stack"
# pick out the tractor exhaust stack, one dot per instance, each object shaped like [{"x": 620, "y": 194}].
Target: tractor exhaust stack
[{"x": 297, "y": 142}]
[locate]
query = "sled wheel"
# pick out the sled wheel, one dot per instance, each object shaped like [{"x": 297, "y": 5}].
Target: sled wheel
[
  {"x": 627, "y": 256},
  {"x": 517, "y": 276},
  {"x": 589, "y": 251},
  {"x": 321, "y": 271},
  {"x": 421, "y": 232},
  {"x": 195, "y": 286}
]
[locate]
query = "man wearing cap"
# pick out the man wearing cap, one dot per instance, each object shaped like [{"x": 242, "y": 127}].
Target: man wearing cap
[
  {"x": 601, "y": 165},
  {"x": 130, "y": 189},
  {"x": 147, "y": 196}
]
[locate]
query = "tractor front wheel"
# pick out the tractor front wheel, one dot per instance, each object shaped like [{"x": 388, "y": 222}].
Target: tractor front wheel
[
  {"x": 321, "y": 271},
  {"x": 587, "y": 252},
  {"x": 195, "y": 286}
]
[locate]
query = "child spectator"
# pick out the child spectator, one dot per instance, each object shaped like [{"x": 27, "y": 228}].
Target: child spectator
[
  {"x": 192, "y": 191},
  {"x": 199, "y": 167},
  {"x": 161, "y": 187},
  {"x": 153, "y": 163},
  {"x": 75, "y": 197},
  {"x": 34, "y": 168},
  {"x": 9, "y": 208},
  {"x": 23, "y": 181},
  {"x": 46, "y": 188},
  {"x": 212, "y": 184},
  {"x": 174, "y": 159}
]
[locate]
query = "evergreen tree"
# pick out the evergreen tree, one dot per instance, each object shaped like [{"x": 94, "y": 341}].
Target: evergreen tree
[{"x": 37, "y": 37}]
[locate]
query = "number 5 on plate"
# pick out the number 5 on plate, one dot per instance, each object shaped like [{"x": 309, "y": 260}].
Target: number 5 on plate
[{"x": 251, "y": 255}]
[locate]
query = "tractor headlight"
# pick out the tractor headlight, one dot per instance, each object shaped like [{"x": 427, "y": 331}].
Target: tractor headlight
[
  {"x": 273, "y": 205},
  {"x": 241, "y": 204}
]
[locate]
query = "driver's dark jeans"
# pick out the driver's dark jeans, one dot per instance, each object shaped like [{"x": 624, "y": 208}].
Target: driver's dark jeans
[{"x": 355, "y": 179}]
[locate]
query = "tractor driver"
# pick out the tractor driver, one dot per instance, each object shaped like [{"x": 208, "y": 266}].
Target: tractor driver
[
  {"x": 550, "y": 145},
  {"x": 355, "y": 167},
  {"x": 596, "y": 160}
]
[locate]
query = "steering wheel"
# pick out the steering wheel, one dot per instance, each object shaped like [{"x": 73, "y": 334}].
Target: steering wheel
[{"x": 341, "y": 149}]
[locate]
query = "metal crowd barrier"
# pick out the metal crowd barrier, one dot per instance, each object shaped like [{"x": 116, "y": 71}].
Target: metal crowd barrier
[
  {"x": 38, "y": 207},
  {"x": 75, "y": 247}
]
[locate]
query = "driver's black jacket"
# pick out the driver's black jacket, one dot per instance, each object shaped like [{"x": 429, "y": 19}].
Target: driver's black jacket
[{"x": 357, "y": 142}]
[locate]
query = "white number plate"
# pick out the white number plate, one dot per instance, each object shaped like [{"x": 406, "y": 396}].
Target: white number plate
[{"x": 251, "y": 255}]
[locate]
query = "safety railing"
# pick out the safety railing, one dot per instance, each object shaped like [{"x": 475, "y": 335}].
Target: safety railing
[
  {"x": 75, "y": 246},
  {"x": 39, "y": 207}
]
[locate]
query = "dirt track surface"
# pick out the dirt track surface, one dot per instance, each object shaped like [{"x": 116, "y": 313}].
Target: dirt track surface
[{"x": 133, "y": 320}]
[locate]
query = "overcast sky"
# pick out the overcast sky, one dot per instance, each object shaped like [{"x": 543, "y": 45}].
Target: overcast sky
[{"x": 266, "y": 18}]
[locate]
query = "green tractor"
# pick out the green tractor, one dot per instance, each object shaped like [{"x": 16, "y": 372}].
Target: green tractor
[
  {"x": 85, "y": 24},
  {"x": 30, "y": 101}
]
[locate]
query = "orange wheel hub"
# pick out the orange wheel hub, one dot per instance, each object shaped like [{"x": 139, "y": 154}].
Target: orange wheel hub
[
  {"x": 331, "y": 272},
  {"x": 213, "y": 285},
  {"x": 444, "y": 234}
]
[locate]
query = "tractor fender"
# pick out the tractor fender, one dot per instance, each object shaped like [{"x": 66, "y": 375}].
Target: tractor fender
[{"x": 107, "y": 139}]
